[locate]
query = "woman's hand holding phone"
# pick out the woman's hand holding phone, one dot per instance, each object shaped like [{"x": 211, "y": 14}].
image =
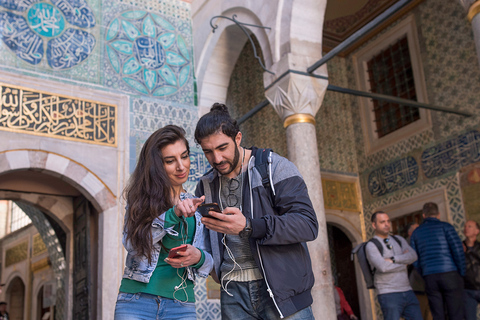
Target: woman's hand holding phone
[{"x": 183, "y": 256}]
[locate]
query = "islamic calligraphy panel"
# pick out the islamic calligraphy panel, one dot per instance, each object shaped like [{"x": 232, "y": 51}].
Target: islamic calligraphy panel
[
  {"x": 451, "y": 154},
  {"x": 392, "y": 177},
  {"x": 340, "y": 195},
  {"x": 16, "y": 254},
  {"x": 25, "y": 31},
  {"x": 34, "y": 112},
  {"x": 39, "y": 246},
  {"x": 148, "y": 53}
]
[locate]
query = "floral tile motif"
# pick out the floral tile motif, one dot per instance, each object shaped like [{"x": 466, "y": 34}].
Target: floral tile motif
[
  {"x": 147, "y": 50},
  {"x": 55, "y": 37}
]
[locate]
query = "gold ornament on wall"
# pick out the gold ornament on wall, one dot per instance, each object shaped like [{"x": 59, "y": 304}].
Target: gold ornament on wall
[
  {"x": 46, "y": 114},
  {"x": 16, "y": 254},
  {"x": 340, "y": 195}
]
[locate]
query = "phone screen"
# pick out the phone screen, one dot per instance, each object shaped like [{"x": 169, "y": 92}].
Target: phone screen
[{"x": 205, "y": 207}]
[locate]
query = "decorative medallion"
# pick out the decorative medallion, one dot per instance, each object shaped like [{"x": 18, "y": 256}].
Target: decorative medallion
[
  {"x": 394, "y": 176},
  {"x": 36, "y": 23},
  {"x": 451, "y": 154},
  {"x": 148, "y": 53}
]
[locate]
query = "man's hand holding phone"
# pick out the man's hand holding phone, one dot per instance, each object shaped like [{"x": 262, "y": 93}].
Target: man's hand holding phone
[{"x": 230, "y": 221}]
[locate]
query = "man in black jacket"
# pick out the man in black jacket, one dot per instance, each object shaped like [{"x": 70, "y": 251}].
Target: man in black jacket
[
  {"x": 472, "y": 275},
  {"x": 258, "y": 241}
]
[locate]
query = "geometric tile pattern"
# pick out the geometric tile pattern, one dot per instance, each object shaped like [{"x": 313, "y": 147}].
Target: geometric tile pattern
[
  {"x": 149, "y": 115},
  {"x": 451, "y": 61},
  {"x": 246, "y": 89},
  {"x": 207, "y": 309},
  {"x": 335, "y": 125},
  {"x": 148, "y": 49}
]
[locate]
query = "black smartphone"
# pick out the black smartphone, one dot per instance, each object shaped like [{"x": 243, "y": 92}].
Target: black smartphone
[{"x": 205, "y": 207}]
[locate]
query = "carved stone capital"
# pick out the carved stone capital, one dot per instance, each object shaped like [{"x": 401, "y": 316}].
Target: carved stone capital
[
  {"x": 297, "y": 94},
  {"x": 467, "y": 3},
  {"x": 473, "y": 10}
]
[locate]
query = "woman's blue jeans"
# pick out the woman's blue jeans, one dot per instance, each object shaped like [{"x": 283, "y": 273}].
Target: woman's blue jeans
[{"x": 143, "y": 306}]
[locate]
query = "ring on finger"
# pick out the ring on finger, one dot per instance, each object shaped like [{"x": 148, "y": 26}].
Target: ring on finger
[
  {"x": 190, "y": 206},
  {"x": 181, "y": 264}
]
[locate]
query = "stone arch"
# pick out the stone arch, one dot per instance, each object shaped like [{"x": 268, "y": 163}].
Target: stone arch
[
  {"x": 217, "y": 56},
  {"x": 108, "y": 253},
  {"x": 12, "y": 276},
  {"x": 87, "y": 182},
  {"x": 16, "y": 312},
  {"x": 353, "y": 234}
]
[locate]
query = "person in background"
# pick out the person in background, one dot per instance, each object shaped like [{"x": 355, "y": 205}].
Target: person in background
[
  {"x": 344, "y": 311},
  {"x": 441, "y": 262},
  {"x": 394, "y": 292},
  {"x": 416, "y": 280},
  {"x": 472, "y": 275},
  {"x": 3, "y": 311},
  {"x": 160, "y": 216}
]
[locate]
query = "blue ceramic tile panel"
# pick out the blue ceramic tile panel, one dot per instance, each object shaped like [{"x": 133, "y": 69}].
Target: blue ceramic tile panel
[
  {"x": 19, "y": 38},
  {"x": 394, "y": 176},
  {"x": 37, "y": 29},
  {"x": 77, "y": 12},
  {"x": 148, "y": 53},
  {"x": 451, "y": 154}
]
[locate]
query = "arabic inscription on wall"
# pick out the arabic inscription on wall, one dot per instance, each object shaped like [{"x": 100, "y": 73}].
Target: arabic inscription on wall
[{"x": 40, "y": 113}]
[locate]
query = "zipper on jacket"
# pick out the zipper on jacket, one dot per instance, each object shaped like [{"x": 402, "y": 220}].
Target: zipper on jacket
[{"x": 258, "y": 249}]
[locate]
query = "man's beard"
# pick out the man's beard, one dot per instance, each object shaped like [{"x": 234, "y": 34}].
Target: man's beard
[{"x": 233, "y": 164}]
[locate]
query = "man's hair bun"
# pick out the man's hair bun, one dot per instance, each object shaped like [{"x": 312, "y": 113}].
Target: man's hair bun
[{"x": 219, "y": 107}]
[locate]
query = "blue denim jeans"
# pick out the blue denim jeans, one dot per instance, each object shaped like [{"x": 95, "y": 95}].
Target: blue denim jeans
[
  {"x": 251, "y": 300},
  {"x": 400, "y": 304},
  {"x": 144, "y": 306},
  {"x": 471, "y": 300}
]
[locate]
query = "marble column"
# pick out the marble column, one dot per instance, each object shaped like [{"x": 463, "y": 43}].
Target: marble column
[
  {"x": 473, "y": 9},
  {"x": 297, "y": 98}
]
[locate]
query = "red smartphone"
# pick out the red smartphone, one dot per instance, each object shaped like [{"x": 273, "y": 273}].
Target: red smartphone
[
  {"x": 205, "y": 207},
  {"x": 173, "y": 252}
]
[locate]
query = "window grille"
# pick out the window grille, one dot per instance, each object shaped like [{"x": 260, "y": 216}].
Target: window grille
[
  {"x": 19, "y": 218},
  {"x": 390, "y": 73}
]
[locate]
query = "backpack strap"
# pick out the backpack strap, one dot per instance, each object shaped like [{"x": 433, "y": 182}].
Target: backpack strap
[
  {"x": 398, "y": 240},
  {"x": 378, "y": 245},
  {"x": 263, "y": 163}
]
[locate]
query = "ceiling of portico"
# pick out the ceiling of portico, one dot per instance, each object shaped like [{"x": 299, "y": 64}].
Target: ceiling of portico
[{"x": 345, "y": 17}]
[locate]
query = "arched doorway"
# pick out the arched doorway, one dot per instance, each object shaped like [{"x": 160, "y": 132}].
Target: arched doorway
[
  {"x": 343, "y": 267},
  {"x": 16, "y": 294},
  {"x": 67, "y": 224}
]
